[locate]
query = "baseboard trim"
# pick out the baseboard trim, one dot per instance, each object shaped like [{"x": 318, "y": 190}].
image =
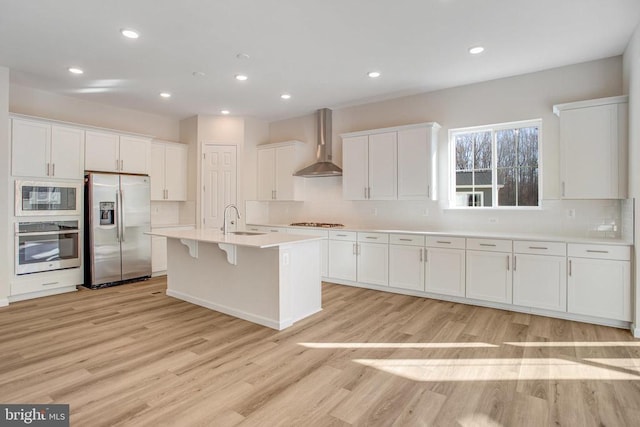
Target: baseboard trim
[{"x": 4, "y": 302}]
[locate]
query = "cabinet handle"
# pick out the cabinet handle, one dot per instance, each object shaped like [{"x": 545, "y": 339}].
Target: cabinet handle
[
  {"x": 569, "y": 268},
  {"x": 406, "y": 240},
  {"x": 117, "y": 164},
  {"x": 445, "y": 242},
  {"x": 491, "y": 245},
  {"x": 508, "y": 262},
  {"x": 515, "y": 260},
  {"x": 341, "y": 235},
  {"x": 53, "y": 169},
  {"x": 563, "y": 193},
  {"x": 370, "y": 237},
  {"x": 48, "y": 169},
  {"x": 428, "y": 190},
  {"x": 50, "y": 283},
  {"x": 421, "y": 256},
  {"x": 593, "y": 251},
  {"x": 538, "y": 247},
  {"x": 121, "y": 165}
]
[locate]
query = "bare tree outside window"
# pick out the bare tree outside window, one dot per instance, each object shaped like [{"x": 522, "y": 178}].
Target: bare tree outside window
[{"x": 497, "y": 167}]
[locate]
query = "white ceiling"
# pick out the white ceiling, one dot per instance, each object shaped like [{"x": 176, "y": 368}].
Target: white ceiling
[{"x": 318, "y": 51}]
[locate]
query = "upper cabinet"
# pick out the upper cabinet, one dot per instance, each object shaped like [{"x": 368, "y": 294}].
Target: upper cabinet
[
  {"x": 593, "y": 148},
  {"x": 277, "y": 163},
  {"x": 45, "y": 150},
  {"x": 168, "y": 171},
  {"x": 110, "y": 152},
  {"x": 396, "y": 163}
]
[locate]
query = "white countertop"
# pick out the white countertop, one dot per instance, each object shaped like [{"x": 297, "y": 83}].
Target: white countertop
[
  {"x": 475, "y": 234},
  {"x": 266, "y": 240}
]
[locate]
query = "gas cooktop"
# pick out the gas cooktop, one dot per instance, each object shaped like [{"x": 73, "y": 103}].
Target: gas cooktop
[{"x": 316, "y": 224}]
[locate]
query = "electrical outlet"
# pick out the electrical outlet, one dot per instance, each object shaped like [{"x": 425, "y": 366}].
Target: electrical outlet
[
  {"x": 374, "y": 211},
  {"x": 571, "y": 213},
  {"x": 425, "y": 212},
  {"x": 493, "y": 220}
]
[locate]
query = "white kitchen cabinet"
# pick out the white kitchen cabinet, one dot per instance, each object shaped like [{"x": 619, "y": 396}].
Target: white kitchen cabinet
[
  {"x": 599, "y": 281},
  {"x": 372, "y": 252},
  {"x": 488, "y": 270},
  {"x": 417, "y": 162},
  {"x": 540, "y": 275},
  {"x": 276, "y": 165},
  {"x": 593, "y": 133},
  {"x": 40, "y": 149},
  {"x": 110, "y": 152},
  {"x": 324, "y": 245},
  {"x": 168, "y": 171},
  {"x": 370, "y": 166},
  {"x": 343, "y": 255},
  {"x": 444, "y": 260},
  {"x": 406, "y": 261}
]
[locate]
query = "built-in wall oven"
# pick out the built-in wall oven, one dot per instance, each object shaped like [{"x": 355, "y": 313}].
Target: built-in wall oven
[
  {"x": 47, "y": 245},
  {"x": 36, "y": 198}
]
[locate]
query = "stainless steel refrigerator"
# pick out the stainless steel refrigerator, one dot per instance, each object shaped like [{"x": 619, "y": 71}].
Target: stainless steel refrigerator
[{"x": 117, "y": 214}]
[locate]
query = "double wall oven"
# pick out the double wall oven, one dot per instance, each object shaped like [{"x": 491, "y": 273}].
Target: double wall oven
[{"x": 47, "y": 227}]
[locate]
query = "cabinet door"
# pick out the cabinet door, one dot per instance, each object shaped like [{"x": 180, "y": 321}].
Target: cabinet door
[
  {"x": 30, "y": 146},
  {"x": 157, "y": 172},
  {"x": 355, "y": 167},
  {"x": 383, "y": 165},
  {"x": 266, "y": 173},
  {"x": 540, "y": 281},
  {"x": 176, "y": 171},
  {"x": 342, "y": 260},
  {"x": 135, "y": 155},
  {"x": 445, "y": 271},
  {"x": 406, "y": 268},
  {"x": 67, "y": 152},
  {"x": 599, "y": 288},
  {"x": 373, "y": 263},
  {"x": 589, "y": 136},
  {"x": 414, "y": 160},
  {"x": 158, "y": 254},
  {"x": 285, "y": 164},
  {"x": 489, "y": 276},
  {"x": 101, "y": 152}
]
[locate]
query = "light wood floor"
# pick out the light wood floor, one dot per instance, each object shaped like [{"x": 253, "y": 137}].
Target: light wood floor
[{"x": 130, "y": 356}]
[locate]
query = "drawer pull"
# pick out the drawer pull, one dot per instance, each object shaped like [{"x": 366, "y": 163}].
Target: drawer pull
[
  {"x": 492, "y": 245},
  {"x": 341, "y": 235},
  {"x": 406, "y": 240},
  {"x": 538, "y": 247},
  {"x": 50, "y": 283},
  {"x": 593, "y": 251},
  {"x": 445, "y": 242},
  {"x": 370, "y": 237}
]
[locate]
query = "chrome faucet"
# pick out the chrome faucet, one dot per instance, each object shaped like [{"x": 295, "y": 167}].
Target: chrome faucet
[{"x": 224, "y": 217}]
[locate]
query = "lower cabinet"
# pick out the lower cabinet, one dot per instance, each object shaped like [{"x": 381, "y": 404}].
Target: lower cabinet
[
  {"x": 373, "y": 258},
  {"x": 343, "y": 255},
  {"x": 406, "y": 261},
  {"x": 540, "y": 275},
  {"x": 445, "y": 266},
  {"x": 489, "y": 275},
  {"x": 599, "y": 281}
]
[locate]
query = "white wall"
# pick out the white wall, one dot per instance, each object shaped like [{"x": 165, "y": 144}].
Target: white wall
[
  {"x": 35, "y": 102},
  {"x": 631, "y": 80},
  {"x": 529, "y": 96},
  {"x": 6, "y": 236}
]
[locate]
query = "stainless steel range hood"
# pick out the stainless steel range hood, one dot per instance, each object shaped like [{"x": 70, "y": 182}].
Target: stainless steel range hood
[{"x": 324, "y": 166}]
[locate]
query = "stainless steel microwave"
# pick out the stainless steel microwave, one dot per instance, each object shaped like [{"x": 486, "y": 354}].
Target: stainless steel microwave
[{"x": 34, "y": 198}]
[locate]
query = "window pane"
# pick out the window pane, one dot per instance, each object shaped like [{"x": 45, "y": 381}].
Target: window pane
[
  {"x": 507, "y": 187},
  {"x": 506, "y": 147},
  {"x": 464, "y": 151},
  {"x": 528, "y": 147},
  {"x": 482, "y": 150},
  {"x": 528, "y": 187}
]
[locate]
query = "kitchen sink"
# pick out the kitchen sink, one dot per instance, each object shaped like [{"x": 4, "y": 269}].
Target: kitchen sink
[{"x": 246, "y": 233}]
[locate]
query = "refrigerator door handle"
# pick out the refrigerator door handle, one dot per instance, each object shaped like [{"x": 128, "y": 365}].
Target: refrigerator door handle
[
  {"x": 122, "y": 217},
  {"x": 117, "y": 214}
]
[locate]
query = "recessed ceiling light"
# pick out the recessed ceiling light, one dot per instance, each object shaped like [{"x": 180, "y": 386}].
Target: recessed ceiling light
[
  {"x": 285, "y": 96},
  {"x": 75, "y": 70},
  {"x": 241, "y": 77},
  {"x": 165, "y": 94},
  {"x": 225, "y": 112},
  {"x": 475, "y": 50},
  {"x": 373, "y": 74},
  {"x": 130, "y": 34}
]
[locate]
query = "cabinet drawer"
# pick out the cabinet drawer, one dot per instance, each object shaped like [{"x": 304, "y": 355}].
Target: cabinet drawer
[
  {"x": 373, "y": 237},
  {"x": 407, "y": 239},
  {"x": 342, "y": 235},
  {"x": 446, "y": 242},
  {"x": 491, "y": 245},
  {"x": 622, "y": 253},
  {"x": 308, "y": 232},
  {"x": 540, "y": 248}
]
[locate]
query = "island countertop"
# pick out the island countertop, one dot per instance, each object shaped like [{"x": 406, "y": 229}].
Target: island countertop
[{"x": 266, "y": 240}]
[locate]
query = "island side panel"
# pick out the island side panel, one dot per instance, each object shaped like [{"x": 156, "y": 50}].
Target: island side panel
[
  {"x": 249, "y": 290},
  {"x": 300, "y": 274}
]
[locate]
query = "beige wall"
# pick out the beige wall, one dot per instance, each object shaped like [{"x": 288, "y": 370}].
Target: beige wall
[
  {"x": 6, "y": 237},
  {"x": 632, "y": 87},
  {"x": 39, "y": 103}
]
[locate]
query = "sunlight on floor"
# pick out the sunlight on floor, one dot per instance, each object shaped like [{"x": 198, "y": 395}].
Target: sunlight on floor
[
  {"x": 576, "y": 344},
  {"x": 396, "y": 345},
  {"x": 505, "y": 369}
]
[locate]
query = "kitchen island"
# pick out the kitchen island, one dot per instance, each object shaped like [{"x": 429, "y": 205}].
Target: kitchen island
[{"x": 272, "y": 279}]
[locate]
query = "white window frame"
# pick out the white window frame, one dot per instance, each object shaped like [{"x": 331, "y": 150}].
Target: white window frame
[{"x": 494, "y": 161}]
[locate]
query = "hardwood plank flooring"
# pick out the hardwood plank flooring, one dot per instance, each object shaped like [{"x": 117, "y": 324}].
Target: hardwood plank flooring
[{"x": 131, "y": 356}]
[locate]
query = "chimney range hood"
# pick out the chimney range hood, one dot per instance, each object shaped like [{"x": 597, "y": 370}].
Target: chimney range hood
[{"x": 324, "y": 166}]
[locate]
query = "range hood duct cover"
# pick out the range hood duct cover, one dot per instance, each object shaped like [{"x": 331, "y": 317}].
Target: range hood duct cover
[{"x": 324, "y": 166}]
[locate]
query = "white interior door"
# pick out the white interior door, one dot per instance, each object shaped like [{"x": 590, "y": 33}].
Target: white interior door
[{"x": 218, "y": 182}]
